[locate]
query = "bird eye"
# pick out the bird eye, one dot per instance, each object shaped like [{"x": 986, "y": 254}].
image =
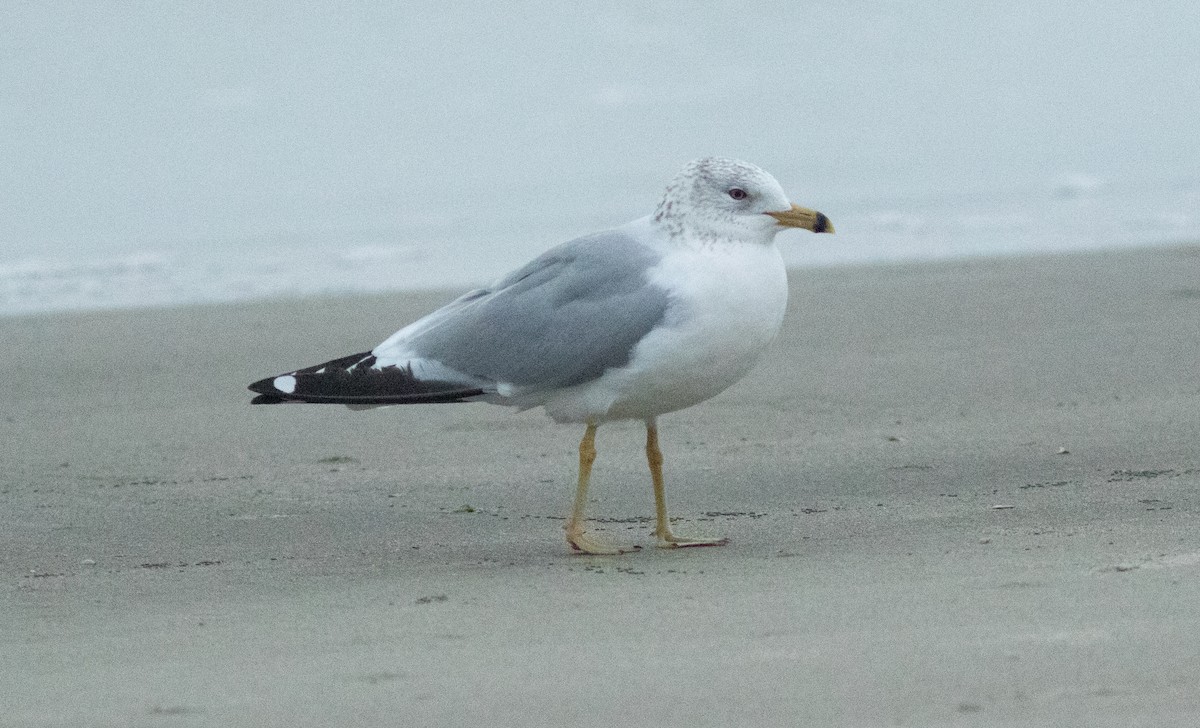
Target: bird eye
[{"x": 737, "y": 193}]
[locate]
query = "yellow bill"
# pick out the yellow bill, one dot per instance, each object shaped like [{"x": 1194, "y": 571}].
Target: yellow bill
[{"x": 802, "y": 217}]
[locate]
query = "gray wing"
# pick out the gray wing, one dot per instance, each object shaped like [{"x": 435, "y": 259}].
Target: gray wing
[{"x": 560, "y": 320}]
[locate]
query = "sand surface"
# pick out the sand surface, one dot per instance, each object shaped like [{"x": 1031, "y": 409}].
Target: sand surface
[{"x": 957, "y": 494}]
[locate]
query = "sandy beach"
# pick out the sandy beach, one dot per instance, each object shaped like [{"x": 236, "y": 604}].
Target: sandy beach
[{"x": 958, "y": 493}]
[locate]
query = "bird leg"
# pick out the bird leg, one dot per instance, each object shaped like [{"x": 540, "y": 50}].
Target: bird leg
[
  {"x": 662, "y": 531},
  {"x": 578, "y": 538}
]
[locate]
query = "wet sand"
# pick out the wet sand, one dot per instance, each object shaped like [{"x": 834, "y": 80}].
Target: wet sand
[{"x": 957, "y": 493}]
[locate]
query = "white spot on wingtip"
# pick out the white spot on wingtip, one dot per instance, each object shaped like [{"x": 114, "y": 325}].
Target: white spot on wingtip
[{"x": 285, "y": 384}]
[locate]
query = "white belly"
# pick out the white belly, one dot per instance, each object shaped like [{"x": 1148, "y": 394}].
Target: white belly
[{"x": 727, "y": 306}]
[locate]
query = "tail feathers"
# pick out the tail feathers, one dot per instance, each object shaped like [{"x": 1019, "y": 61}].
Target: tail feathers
[{"x": 355, "y": 380}]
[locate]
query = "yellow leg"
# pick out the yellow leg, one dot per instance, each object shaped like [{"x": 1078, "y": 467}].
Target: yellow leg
[
  {"x": 577, "y": 536},
  {"x": 662, "y": 531}
]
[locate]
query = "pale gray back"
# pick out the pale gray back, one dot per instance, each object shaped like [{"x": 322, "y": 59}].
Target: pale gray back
[{"x": 561, "y": 320}]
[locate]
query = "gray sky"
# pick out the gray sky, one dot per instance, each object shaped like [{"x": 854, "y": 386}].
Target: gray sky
[{"x": 175, "y": 124}]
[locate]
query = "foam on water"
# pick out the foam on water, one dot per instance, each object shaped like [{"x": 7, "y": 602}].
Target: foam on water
[{"x": 1072, "y": 212}]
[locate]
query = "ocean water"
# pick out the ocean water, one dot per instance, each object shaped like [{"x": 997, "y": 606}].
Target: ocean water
[
  {"x": 1052, "y": 220},
  {"x": 156, "y": 154}
]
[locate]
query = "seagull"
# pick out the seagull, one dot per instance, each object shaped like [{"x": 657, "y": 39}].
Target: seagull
[{"x": 630, "y": 323}]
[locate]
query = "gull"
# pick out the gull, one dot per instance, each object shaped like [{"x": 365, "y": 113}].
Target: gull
[{"x": 631, "y": 323}]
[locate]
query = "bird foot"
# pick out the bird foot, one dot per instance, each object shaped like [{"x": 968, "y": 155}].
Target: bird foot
[
  {"x": 669, "y": 540},
  {"x": 582, "y": 542}
]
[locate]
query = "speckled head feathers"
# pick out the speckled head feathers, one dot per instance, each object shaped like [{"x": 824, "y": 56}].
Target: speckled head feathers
[{"x": 717, "y": 198}]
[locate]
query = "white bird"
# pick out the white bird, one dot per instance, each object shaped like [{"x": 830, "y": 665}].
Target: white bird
[{"x": 648, "y": 318}]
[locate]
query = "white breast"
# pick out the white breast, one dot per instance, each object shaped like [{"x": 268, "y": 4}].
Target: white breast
[{"x": 728, "y": 302}]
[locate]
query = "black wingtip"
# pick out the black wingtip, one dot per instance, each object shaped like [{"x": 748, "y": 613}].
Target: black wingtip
[
  {"x": 263, "y": 386},
  {"x": 355, "y": 380}
]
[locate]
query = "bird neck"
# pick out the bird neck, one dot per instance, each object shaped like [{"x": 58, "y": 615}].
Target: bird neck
[{"x": 701, "y": 231}]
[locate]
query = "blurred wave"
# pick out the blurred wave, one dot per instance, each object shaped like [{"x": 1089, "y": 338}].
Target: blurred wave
[{"x": 1072, "y": 212}]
